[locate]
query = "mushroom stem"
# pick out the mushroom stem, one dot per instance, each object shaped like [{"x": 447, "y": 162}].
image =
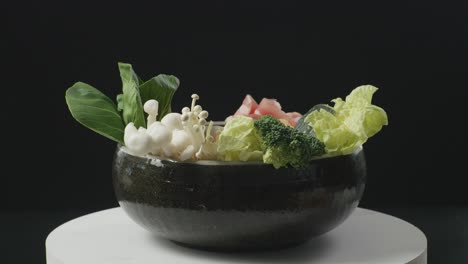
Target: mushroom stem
[
  {"x": 195, "y": 97},
  {"x": 208, "y": 130},
  {"x": 151, "y": 108},
  {"x": 151, "y": 119}
]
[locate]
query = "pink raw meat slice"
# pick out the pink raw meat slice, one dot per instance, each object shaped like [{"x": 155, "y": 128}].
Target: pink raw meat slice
[
  {"x": 254, "y": 116},
  {"x": 293, "y": 118},
  {"x": 270, "y": 107},
  {"x": 267, "y": 106},
  {"x": 249, "y": 105}
]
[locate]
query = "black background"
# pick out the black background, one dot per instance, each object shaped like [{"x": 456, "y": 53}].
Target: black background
[{"x": 299, "y": 53}]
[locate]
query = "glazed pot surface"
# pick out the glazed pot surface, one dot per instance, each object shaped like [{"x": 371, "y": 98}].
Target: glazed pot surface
[{"x": 238, "y": 205}]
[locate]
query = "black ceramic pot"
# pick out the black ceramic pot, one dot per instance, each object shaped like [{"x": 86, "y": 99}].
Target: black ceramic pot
[{"x": 238, "y": 205}]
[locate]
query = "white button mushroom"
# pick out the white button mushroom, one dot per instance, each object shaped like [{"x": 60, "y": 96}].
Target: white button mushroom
[
  {"x": 160, "y": 134},
  {"x": 167, "y": 151},
  {"x": 202, "y": 121},
  {"x": 137, "y": 140},
  {"x": 203, "y": 114},
  {"x": 197, "y": 109},
  {"x": 180, "y": 140},
  {"x": 185, "y": 117},
  {"x": 172, "y": 121},
  {"x": 130, "y": 129},
  {"x": 151, "y": 108},
  {"x": 187, "y": 153},
  {"x": 185, "y": 110}
]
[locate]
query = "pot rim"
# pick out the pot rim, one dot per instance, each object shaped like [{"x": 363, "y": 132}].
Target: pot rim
[{"x": 155, "y": 159}]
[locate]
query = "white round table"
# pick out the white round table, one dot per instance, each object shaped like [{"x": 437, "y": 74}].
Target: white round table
[{"x": 110, "y": 237}]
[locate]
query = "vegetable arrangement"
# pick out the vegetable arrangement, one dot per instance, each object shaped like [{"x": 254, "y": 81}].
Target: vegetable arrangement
[{"x": 142, "y": 121}]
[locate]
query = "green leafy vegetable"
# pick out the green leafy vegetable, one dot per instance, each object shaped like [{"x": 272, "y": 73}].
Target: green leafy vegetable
[
  {"x": 352, "y": 123},
  {"x": 160, "y": 88},
  {"x": 95, "y": 111},
  {"x": 239, "y": 141},
  {"x": 284, "y": 145},
  {"x": 303, "y": 126},
  {"x": 136, "y": 77},
  {"x": 119, "y": 100},
  {"x": 131, "y": 101}
]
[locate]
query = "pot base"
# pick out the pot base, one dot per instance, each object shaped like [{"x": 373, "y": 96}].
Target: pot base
[{"x": 238, "y": 249}]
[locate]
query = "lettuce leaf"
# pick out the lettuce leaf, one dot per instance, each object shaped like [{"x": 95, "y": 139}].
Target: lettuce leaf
[
  {"x": 354, "y": 121},
  {"x": 239, "y": 141}
]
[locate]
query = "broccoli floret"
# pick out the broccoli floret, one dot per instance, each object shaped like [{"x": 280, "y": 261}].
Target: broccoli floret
[{"x": 283, "y": 145}]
